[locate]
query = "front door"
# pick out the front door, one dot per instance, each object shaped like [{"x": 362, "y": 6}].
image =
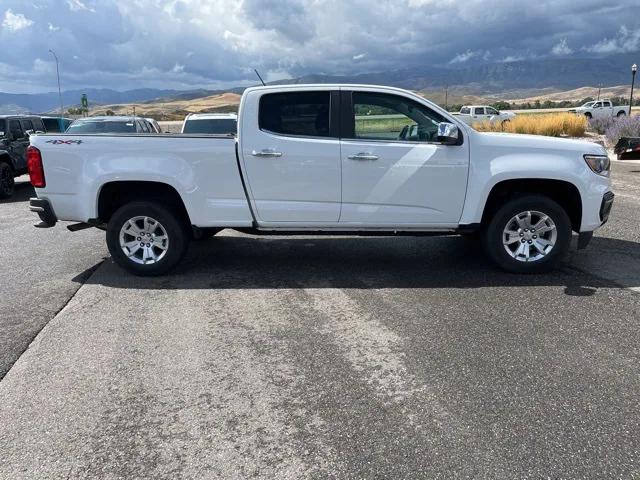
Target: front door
[
  {"x": 394, "y": 172},
  {"x": 291, "y": 157}
]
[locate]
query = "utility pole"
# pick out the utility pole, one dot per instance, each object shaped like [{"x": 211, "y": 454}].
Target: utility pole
[
  {"x": 634, "y": 69},
  {"x": 59, "y": 89},
  {"x": 446, "y": 96},
  {"x": 599, "y": 88}
]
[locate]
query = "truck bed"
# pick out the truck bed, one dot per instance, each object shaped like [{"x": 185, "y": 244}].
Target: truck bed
[{"x": 203, "y": 169}]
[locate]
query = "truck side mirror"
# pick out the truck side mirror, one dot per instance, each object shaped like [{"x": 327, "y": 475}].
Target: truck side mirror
[{"x": 448, "y": 133}]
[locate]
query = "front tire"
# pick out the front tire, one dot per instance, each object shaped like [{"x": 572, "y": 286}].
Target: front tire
[
  {"x": 529, "y": 234},
  {"x": 7, "y": 182},
  {"x": 146, "y": 238}
]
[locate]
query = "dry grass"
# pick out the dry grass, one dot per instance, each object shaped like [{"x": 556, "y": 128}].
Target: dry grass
[{"x": 551, "y": 125}]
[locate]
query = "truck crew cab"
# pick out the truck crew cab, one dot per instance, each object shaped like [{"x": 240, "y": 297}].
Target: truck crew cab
[{"x": 326, "y": 159}]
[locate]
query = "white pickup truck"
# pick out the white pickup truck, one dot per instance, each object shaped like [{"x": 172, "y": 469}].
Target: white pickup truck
[
  {"x": 302, "y": 163},
  {"x": 471, "y": 114},
  {"x": 600, "y": 109}
]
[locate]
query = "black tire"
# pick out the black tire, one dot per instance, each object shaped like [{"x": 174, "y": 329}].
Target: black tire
[
  {"x": 493, "y": 234},
  {"x": 169, "y": 220},
  {"x": 621, "y": 114},
  {"x": 7, "y": 182},
  {"x": 588, "y": 115}
]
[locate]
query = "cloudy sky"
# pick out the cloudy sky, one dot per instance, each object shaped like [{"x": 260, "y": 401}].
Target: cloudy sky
[{"x": 183, "y": 44}]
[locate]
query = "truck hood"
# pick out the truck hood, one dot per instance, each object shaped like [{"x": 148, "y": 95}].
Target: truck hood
[{"x": 533, "y": 142}]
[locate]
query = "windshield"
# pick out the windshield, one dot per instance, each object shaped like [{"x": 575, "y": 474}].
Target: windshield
[
  {"x": 211, "y": 125},
  {"x": 101, "y": 126},
  {"x": 588, "y": 104}
]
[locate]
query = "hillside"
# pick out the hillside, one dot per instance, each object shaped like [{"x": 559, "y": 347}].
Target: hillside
[{"x": 176, "y": 109}]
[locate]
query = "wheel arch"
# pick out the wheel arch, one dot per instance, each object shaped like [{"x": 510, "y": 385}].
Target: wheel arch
[
  {"x": 563, "y": 192},
  {"x": 114, "y": 194}
]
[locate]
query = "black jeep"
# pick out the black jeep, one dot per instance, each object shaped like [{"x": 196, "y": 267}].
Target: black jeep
[{"x": 14, "y": 140}]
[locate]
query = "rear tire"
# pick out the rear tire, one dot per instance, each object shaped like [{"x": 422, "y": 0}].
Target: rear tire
[
  {"x": 621, "y": 114},
  {"x": 7, "y": 182},
  {"x": 147, "y": 238},
  {"x": 528, "y": 234}
]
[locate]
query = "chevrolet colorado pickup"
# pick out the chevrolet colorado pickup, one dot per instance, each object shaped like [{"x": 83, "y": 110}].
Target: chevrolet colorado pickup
[{"x": 304, "y": 162}]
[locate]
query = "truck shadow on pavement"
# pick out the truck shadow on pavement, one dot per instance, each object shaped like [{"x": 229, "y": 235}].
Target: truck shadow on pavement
[{"x": 244, "y": 262}]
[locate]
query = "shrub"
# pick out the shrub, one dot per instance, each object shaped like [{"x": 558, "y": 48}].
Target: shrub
[
  {"x": 622, "y": 127},
  {"x": 552, "y": 125},
  {"x": 601, "y": 125}
]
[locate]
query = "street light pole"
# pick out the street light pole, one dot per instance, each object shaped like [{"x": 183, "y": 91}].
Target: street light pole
[
  {"x": 634, "y": 69},
  {"x": 59, "y": 89}
]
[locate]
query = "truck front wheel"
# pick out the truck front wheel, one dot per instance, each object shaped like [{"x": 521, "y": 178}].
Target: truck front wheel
[
  {"x": 146, "y": 238},
  {"x": 528, "y": 234}
]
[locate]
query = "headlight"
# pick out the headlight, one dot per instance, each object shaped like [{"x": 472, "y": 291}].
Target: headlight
[{"x": 600, "y": 164}]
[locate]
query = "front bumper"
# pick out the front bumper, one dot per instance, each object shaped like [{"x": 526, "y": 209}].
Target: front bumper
[{"x": 44, "y": 210}]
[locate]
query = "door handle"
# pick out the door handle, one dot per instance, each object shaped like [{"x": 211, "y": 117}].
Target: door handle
[
  {"x": 363, "y": 156},
  {"x": 266, "y": 153}
]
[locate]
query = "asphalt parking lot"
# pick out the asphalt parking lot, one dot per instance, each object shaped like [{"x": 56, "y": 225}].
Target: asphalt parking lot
[{"x": 319, "y": 357}]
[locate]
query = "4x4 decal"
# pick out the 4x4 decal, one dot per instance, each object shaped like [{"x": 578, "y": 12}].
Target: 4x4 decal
[{"x": 64, "y": 142}]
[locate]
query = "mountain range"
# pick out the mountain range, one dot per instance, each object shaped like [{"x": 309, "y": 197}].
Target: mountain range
[{"x": 504, "y": 79}]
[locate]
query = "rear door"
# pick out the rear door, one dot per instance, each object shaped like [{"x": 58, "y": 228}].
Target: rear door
[
  {"x": 394, "y": 171},
  {"x": 291, "y": 155}
]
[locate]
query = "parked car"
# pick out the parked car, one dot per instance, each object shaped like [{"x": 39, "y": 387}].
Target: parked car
[
  {"x": 154, "y": 124},
  {"x": 14, "y": 140},
  {"x": 56, "y": 124},
  {"x": 111, "y": 124},
  {"x": 471, "y": 114},
  {"x": 302, "y": 163},
  {"x": 601, "y": 109},
  {"x": 219, "y": 123}
]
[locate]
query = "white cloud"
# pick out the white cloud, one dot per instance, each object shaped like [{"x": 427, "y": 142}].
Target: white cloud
[
  {"x": 78, "y": 5},
  {"x": 359, "y": 56},
  {"x": 625, "y": 41},
  {"x": 53, "y": 28},
  {"x": 561, "y": 48},
  {"x": 465, "y": 56},
  {"x": 15, "y": 21}
]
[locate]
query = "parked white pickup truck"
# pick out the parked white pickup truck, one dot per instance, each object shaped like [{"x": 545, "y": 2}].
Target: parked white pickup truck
[
  {"x": 471, "y": 114},
  {"x": 302, "y": 163},
  {"x": 600, "y": 109}
]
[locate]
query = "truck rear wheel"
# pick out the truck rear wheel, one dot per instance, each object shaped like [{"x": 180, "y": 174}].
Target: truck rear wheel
[
  {"x": 146, "y": 238},
  {"x": 622, "y": 113},
  {"x": 528, "y": 234},
  {"x": 7, "y": 183}
]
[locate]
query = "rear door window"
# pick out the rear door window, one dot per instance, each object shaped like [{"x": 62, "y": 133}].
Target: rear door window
[
  {"x": 211, "y": 125},
  {"x": 296, "y": 113},
  {"x": 479, "y": 111}
]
